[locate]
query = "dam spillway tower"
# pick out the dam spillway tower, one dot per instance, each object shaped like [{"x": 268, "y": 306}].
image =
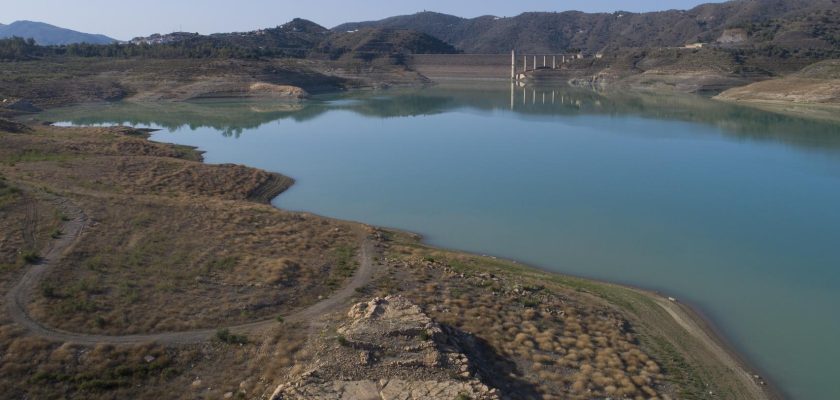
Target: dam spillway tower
[{"x": 557, "y": 62}]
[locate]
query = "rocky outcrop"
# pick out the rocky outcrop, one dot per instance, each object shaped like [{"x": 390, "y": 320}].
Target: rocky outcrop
[
  {"x": 733, "y": 36},
  {"x": 384, "y": 389},
  {"x": 389, "y": 349},
  {"x": 262, "y": 89}
]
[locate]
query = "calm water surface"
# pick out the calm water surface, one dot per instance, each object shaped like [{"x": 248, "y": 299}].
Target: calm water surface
[{"x": 734, "y": 210}]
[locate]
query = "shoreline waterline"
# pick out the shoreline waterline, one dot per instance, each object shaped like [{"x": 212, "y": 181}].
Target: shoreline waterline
[
  {"x": 684, "y": 313},
  {"x": 715, "y": 338}
]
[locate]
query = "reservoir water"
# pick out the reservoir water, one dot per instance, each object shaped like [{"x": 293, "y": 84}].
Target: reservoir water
[{"x": 734, "y": 210}]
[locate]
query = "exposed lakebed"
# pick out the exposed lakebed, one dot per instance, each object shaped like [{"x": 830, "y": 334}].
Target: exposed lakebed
[{"x": 732, "y": 209}]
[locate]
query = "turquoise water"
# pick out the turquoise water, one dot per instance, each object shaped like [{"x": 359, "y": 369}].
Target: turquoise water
[{"x": 734, "y": 210}]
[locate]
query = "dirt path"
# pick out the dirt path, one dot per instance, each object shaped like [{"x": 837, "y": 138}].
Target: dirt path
[{"x": 73, "y": 230}]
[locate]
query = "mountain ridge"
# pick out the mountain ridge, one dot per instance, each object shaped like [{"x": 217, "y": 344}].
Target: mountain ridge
[
  {"x": 50, "y": 35},
  {"x": 594, "y": 32},
  {"x": 302, "y": 38}
]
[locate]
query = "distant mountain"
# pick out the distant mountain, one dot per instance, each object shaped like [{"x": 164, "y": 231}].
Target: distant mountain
[
  {"x": 302, "y": 38},
  {"x": 298, "y": 34},
  {"x": 47, "y": 35},
  {"x": 803, "y": 23},
  {"x": 294, "y": 38}
]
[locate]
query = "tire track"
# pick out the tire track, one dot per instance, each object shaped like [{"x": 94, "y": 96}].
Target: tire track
[{"x": 73, "y": 231}]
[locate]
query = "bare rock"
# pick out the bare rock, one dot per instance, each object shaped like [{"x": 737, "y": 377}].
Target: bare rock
[
  {"x": 733, "y": 36},
  {"x": 388, "y": 349},
  {"x": 262, "y": 89}
]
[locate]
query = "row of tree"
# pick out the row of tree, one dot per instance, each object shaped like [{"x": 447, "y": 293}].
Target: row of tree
[{"x": 18, "y": 49}]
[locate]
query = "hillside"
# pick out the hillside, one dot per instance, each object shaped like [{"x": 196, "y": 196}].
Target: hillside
[
  {"x": 48, "y": 35},
  {"x": 295, "y": 38},
  {"x": 302, "y": 38},
  {"x": 368, "y": 44},
  {"x": 818, "y": 84},
  {"x": 807, "y": 24}
]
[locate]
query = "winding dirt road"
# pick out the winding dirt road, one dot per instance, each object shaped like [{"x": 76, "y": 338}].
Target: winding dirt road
[{"x": 73, "y": 231}]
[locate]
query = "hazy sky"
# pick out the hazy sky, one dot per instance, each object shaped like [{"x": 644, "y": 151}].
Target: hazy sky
[{"x": 124, "y": 20}]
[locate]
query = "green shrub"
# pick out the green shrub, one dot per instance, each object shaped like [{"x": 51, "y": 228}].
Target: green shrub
[
  {"x": 343, "y": 340},
  {"x": 31, "y": 257},
  {"x": 424, "y": 336},
  {"x": 224, "y": 336},
  {"x": 49, "y": 291}
]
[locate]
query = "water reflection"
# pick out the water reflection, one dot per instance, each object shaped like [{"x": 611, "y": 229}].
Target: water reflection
[{"x": 233, "y": 117}]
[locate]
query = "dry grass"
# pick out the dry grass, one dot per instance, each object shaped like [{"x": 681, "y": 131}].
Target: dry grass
[
  {"x": 167, "y": 234},
  {"x": 173, "y": 244},
  {"x": 561, "y": 334},
  {"x": 168, "y": 257},
  {"x": 35, "y": 368},
  {"x": 27, "y": 227}
]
